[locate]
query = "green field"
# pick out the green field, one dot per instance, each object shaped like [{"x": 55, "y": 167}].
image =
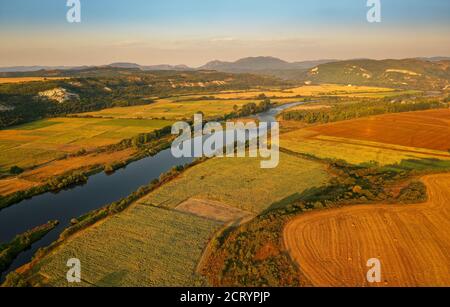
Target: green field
[
  {"x": 36, "y": 125},
  {"x": 356, "y": 151},
  {"x": 39, "y": 142},
  {"x": 173, "y": 110},
  {"x": 144, "y": 246},
  {"x": 161, "y": 246},
  {"x": 241, "y": 183}
]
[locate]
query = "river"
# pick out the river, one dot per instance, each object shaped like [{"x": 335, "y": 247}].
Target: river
[{"x": 99, "y": 191}]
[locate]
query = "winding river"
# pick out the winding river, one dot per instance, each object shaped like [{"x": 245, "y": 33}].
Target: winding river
[{"x": 100, "y": 190}]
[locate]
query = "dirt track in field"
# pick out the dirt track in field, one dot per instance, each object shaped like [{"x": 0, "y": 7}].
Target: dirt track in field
[{"x": 412, "y": 242}]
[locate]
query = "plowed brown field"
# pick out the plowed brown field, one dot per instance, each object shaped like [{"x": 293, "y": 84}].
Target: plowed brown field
[
  {"x": 412, "y": 242},
  {"x": 423, "y": 129}
]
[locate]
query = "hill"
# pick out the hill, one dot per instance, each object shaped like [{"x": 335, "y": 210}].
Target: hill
[
  {"x": 260, "y": 64},
  {"x": 97, "y": 88},
  {"x": 407, "y": 73},
  {"x": 150, "y": 67}
]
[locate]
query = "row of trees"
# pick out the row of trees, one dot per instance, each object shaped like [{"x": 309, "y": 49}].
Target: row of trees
[
  {"x": 9, "y": 251},
  {"x": 341, "y": 112}
]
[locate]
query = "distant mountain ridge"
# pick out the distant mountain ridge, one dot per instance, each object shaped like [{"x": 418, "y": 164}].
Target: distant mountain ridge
[
  {"x": 255, "y": 64},
  {"x": 35, "y": 68},
  {"x": 431, "y": 73},
  {"x": 250, "y": 64},
  {"x": 121, "y": 65},
  {"x": 150, "y": 67}
]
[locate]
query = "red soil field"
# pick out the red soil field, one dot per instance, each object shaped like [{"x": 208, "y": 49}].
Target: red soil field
[{"x": 423, "y": 129}]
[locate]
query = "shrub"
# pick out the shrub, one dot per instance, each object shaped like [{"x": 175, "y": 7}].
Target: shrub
[
  {"x": 15, "y": 170},
  {"x": 415, "y": 192}
]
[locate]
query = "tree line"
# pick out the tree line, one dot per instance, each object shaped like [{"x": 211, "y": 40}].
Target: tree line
[{"x": 347, "y": 111}]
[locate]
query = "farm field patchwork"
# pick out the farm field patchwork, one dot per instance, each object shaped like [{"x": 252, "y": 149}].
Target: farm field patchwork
[
  {"x": 163, "y": 246},
  {"x": 315, "y": 90},
  {"x": 412, "y": 242},
  {"x": 40, "y": 142},
  {"x": 355, "y": 151},
  {"x": 184, "y": 107},
  {"x": 423, "y": 129},
  {"x": 145, "y": 246},
  {"x": 36, "y": 177},
  {"x": 386, "y": 139},
  {"x": 172, "y": 110},
  {"x": 240, "y": 183}
]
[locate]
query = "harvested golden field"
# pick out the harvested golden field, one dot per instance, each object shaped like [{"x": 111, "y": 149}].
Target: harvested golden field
[
  {"x": 241, "y": 183},
  {"x": 29, "y": 79},
  {"x": 143, "y": 246},
  {"x": 12, "y": 185},
  {"x": 173, "y": 109},
  {"x": 412, "y": 242},
  {"x": 170, "y": 109},
  {"x": 381, "y": 94},
  {"x": 312, "y": 90},
  {"x": 423, "y": 129},
  {"x": 310, "y": 107},
  {"x": 386, "y": 139},
  {"x": 213, "y": 210},
  {"x": 43, "y": 141},
  {"x": 183, "y": 107}
]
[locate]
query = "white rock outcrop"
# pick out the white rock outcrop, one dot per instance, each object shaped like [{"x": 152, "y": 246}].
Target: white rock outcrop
[
  {"x": 59, "y": 94},
  {"x": 4, "y": 108}
]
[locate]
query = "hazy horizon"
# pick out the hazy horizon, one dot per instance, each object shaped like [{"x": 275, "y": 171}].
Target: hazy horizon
[
  {"x": 206, "y": 62},
  {"x": 194, "y": 32}
]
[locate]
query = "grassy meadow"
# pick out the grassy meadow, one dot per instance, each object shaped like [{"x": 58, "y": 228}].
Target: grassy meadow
[
  {"x": 354, "y": 151},
  {"x": 163, "y": 245},
  {"x": 144, "y": 246},
  {"x": 240, "y": 183}
]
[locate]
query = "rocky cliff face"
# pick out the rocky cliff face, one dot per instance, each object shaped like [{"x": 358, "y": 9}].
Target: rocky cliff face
[{"x": 59, "y": 94}]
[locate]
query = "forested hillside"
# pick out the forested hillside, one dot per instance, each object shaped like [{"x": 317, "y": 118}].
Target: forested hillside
[{"x": 98, "y": 88}]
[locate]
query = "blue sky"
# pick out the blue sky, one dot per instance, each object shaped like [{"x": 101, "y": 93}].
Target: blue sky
[{"x": 195, "y": 31}]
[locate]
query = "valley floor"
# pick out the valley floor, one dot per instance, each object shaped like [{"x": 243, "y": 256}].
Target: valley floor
[{"x": 159, "y": 240}]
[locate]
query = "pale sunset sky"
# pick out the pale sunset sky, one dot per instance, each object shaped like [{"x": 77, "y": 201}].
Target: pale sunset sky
[{"x": 193, "y": 32}]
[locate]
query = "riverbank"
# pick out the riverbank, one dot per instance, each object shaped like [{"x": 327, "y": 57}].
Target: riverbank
[
  {"x": 100, "y": 190},
  {"x": 9, "y": 251}
]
